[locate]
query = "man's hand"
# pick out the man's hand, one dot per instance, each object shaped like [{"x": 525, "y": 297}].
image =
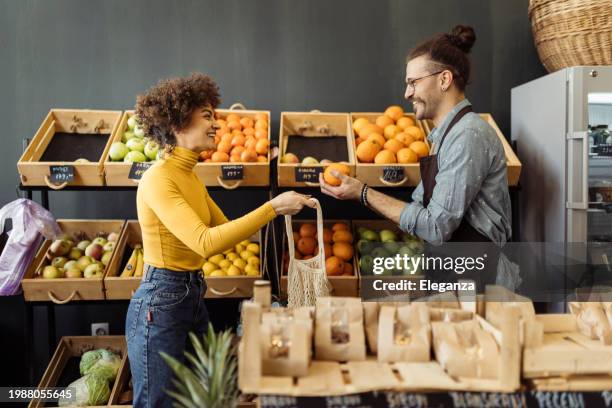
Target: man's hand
[{"x": 350, "y": 189}]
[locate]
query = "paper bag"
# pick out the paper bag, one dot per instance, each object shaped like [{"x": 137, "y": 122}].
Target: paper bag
[
  {"x": 404, "y": 333},
  {"x": 339, "y": 333}
]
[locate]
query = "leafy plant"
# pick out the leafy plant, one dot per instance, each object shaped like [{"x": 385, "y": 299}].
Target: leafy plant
[{"x": 211, "y": 380}]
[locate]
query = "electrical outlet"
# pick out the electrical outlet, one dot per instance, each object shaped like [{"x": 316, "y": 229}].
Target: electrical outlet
[{"x": 99, "y": 329}]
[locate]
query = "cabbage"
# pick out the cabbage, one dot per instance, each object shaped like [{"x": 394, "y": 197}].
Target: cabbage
[
  {"x": 102, "y": 362},
  {"x": 91, "y": 389}
]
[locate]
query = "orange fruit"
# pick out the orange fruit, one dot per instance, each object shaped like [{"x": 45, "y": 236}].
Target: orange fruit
[
  {"x": 339, "y": 226},
  {"x": 342, "y": 236},
  {"x": 377, "y": 138},
  {"x": 247, "y": 122},
  {"x": 383, "y": 121},
  {"x": 260, "y": 116},
  {"x": 261, "y": 146},
  {"x": 224, "y": 146},
  {"x": 249, "y": 131},
  {"x": 217, "y": 139},
  {"x": 206, "y": 154},
  {"x": 223, "y": 130},
  {"x": 327, "y": 235},
  {"x": 385, "y": 157},
  {"x": 393, "y": 145},
  {"x": 334, "y": 181},
  {"x": 238, "y": 140},
  {"x": 235, "y": 158},
  {"x": 262, "y": 159},
  {"x": 348, "y": 269},
  {"x": 219, "y": 157},
  {"x": 415, "y": 132},
  {"x": 370, "y": 128},
  {"x": 327, "y": 250},
  {"x": 308, "y": 230},
  {"x": 405, "y": 138},
  {"x": 234, "y": 125},
  {"x": 208, "y": 161},
  {"x": 343, "y": 250},
  {"x": 221, "y": 122},
  {"x": 232, "y": 117},
  {"x": 391, "y": 131},
  {"x": 306, "y": 245},
  {"x": 261, "y": 124},
  {"x": 358, "y": 124},
  {"x": 250, "y": 143},
  {"x": 367, "y": 151},
  {"x": 395, "y": 112},
  {"x": 334, "y": 266},
  {"x": 420, "y": 148},
  {"x": 237, "y": 132},
  {"x": 249, "y": 155},
  {"x": 237, "y": 151},
  {"x": 261, "y": 133},
  {"x": 359, "y": 140},
  {"x": 227, "y": 137},
  {"x": 404, "y": 122},
  {"x": 407, "y": 155}
]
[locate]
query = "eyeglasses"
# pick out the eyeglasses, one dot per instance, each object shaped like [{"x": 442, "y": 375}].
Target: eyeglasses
[{"x": 412, "y": 82}]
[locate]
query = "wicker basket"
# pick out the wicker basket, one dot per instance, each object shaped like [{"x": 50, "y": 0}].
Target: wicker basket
[{"x": 572, "y": 32}]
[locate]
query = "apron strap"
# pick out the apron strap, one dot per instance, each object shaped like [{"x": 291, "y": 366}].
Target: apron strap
[{"x": 453, "y": 122}]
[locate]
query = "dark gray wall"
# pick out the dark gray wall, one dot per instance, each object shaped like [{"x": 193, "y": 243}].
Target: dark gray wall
[{"x": 281, "y": 55}]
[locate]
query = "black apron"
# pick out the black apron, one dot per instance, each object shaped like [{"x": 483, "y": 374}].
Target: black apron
[{"x": 464, "y": 232}]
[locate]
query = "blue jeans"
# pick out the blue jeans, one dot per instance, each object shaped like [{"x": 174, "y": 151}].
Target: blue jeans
[{"x": 162, "y": 312}]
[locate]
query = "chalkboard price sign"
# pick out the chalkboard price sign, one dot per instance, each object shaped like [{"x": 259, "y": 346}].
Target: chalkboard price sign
[
  {"x": 61, "y": 174},
  {"x": 307, "y": 174},
  {"x": 393, "y": 174},
  {"x": 232, "y": 172},
  {"x": 137, "y": 170}
]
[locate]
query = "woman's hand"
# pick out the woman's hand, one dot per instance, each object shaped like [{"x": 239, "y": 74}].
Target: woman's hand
[
  {"x": 350, "y": 189},
  {"x": 291, "y": 203}
]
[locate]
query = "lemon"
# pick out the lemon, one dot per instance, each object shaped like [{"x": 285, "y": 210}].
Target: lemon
[
  {"x": 232, "y": 256},
  {"x": 228, "y": 251},
  {"x": 246, "y": 254},
  {"x": 233, "y": 271},
  {"x": 216, "y": 259},
  {"x": 218, "y": 272},
  {"x": 239, "y": 248},
  {"x": 245, "y": 243},
  {"x": 253, "y": 248},
  {"x": 208, "y": 267},
  {"x": 224, "y": 264},
  {"x": 240, "y": 263},
  {"x": 251, "y": 270},
  {"x": 254, "y": 261}
]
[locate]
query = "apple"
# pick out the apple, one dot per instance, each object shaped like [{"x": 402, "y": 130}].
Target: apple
[
  {"x": 135, "y": 145},
  {"x": 81, "y": 160},
  {"x": 70, "y": 264},
  {"x": 59, "y": 247},
  {"x": 112, "y": 237},
  {"x": 290, "y": 158},
  {"x": 95, "y": 251},
  {"x": 73, "y": 272},
  {"x": 51, "y": 272},
  {"x": 132, "y": 122},
  {"x": 325, "y": 161},
  {"x": 310, "y": 160},
  {"x": 106, "y": 258},
  {"x": 138, "y": 131},
  {"x": 59, "y": 261},
  {"x": 83, "y": 244},
  {"x": 118, "y": 151},
  {"x": 109, "y": 247},
  {"x": 95, "y": 270},
  {"x": 100, "y": 241},
  {"x": 135, "y": 156},
  {"x": 84, "y": 262},
  {"x": 127, "y": 135},
  {"x": 151, "y": 149},
  {"x": 75, "y": 253}
]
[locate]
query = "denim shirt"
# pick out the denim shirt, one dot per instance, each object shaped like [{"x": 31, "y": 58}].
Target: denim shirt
[{"x": 471, "y": 182}]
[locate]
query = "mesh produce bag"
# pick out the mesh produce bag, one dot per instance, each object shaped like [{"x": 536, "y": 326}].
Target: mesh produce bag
[{"x": 306, "y": 279}]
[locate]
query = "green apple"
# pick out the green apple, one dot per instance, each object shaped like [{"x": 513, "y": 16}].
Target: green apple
[
  {"x": 100, "y": 241},
  {"x": 84, "y": 262},
  {"x": 106, "y": 258},
  {"x": 387, "y": 235},
  {"x": 83, "y": 244},
  {"x": 51, "y": 272},
  {"x": 59, "y": 261},
  {"x": 310, "y": 160},
  {"x": 118, "y": 151},
  {"x": 75, "y": 253},
  {"x": 70, "y": 264},
  {"x": 95, "y": 270},
  {"x": 151, "y": 149},
  {"x": 136, "y": 145},
  {"x": 132, "y": 122},
  {"x": 109, "y": 246},
  {"x": 135, "y": 157},
  {"x": 127, "y": 135},
  {"x": 139, "y": 131},
  {"x": 370, "y": 236},
  {"x": 366, "y": 265},
  {"x": 73, "y": 272}
]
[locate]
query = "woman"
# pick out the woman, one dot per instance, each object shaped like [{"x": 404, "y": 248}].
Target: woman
[
  {"x": 463, "y": 194},
  {"x": 181, "y": 225}
]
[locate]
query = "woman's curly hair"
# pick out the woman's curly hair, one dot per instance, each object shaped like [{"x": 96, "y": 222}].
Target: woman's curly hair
[{"x": 167, "y": 107}]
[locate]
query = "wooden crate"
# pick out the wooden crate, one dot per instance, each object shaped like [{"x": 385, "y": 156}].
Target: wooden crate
[
  {"x": 236, "y": 286},
  {"x": 34, "y": 172},
  {"x": 75, "y": 346},
  {"x": 371, "y": 173},
  {"x": 64, "y": 290},
  {"x": 254, "y": 174},
  {"x": 512, "y": 162},
  {"x": 341, "y": 285},
  {"x": 122, "y": 386},
  {"x": 326, "y": 378},
  {"x": 321, "y": 124},
  {"x": 115, "y": 286}
]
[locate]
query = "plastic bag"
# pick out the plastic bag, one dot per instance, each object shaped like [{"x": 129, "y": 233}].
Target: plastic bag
[{"x": 31, "y": 223}]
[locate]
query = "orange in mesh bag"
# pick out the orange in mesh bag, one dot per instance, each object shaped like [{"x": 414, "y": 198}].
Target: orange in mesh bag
[{"x": 306, "y": 279}]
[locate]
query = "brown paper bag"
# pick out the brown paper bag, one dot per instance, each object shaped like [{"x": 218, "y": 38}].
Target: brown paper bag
[
  {"x": 339, "y": 333},
  {"x": 466, "y": 350},
  {"x": 285, "y": 341},
  {"x": 404, "y": 333},
  {"x": 592, "y": 320},
  {"x": 449, "y": 315},
  {"x": 446, "y": 300},
  {"x": 371, "y": 311}
]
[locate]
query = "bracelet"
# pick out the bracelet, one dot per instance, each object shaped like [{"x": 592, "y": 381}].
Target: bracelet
[{"x": 364, "y": 193}]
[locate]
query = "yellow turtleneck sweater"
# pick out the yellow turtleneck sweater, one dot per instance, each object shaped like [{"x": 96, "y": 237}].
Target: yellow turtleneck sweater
[{"x": 181, "y": 224}]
